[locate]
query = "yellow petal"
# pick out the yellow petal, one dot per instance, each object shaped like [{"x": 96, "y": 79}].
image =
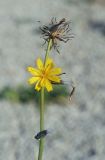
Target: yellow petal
[
  {"x": 54, "y": 79},
  {"x": 49, "y": 61},
  {"x": 56, "y": 71},
  {"x": 33, "y": 71},
  {"x": 32, "y": 80},
  {"x": 42, "y": 82},
  {"x": 48, "y": 85},
  {"x": 39, "y": 63},
  {"x": 38, "y": 86},
  {"x": 48, "y": 69}
]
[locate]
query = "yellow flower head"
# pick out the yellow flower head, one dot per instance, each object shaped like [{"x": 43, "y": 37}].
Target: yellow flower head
[{"x": 44, "y": 75}]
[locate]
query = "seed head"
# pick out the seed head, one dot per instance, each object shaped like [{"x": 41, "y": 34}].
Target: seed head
[{"x": 57, "y": 31}]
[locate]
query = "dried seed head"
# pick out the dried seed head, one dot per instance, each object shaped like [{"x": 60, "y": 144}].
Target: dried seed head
[{"x": 57, "y": 31}]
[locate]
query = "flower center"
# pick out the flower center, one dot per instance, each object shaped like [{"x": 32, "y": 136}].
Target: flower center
[{"x": 44, "y": 74}]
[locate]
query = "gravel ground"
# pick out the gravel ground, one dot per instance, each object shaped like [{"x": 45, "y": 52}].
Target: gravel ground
[
  {"x": 78, "y": 129},
  {"x": 75, "y": 134}
]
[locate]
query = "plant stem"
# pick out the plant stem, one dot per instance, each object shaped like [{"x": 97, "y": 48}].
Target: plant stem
[
  {"x": 48, "y": 49},
  {"x": 41, "y": 142}
]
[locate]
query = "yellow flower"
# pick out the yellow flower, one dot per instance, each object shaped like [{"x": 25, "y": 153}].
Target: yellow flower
[{"x": 44, "y": 75}]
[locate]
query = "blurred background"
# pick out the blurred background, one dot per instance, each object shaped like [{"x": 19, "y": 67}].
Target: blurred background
[{"x": 77, "y": 128}]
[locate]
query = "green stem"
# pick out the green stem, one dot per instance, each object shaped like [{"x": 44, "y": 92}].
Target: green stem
[
  {"x": 48, "y": 49},
  {"x": 41, "y": 142}
]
